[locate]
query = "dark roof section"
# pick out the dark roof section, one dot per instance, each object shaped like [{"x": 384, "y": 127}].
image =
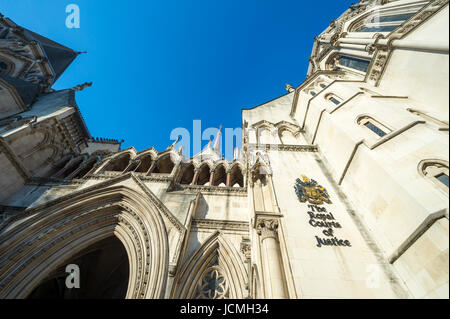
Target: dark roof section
[
  {"x": 59, "y": 99},
  {"x": 26, "y": 90},
  {"x": 59, "y": 56}
]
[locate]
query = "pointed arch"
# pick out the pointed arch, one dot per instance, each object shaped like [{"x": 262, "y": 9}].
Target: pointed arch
[
  {"x": 144, "y": 163},
  {"x": 220, "y": 175},
  {"x": 236, "y": 176},
  {"x": 256, "y": 284},
  {"x": 60, "y": 164},
  {"x": 164, "y": 164},
  {"x": 42, "y": 238},
  {"x": 70, "y": 167},
  {"x": 85, "y": 168},
  {"x": 204, "y": 174},
  {"x": 187, "y": 174},
  {"x": 216, "y": 254}
]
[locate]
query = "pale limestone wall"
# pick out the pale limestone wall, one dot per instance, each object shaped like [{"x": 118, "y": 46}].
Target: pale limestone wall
[
  {"x": 422, "y": 75},
  {"x": 198, "y": 237},
  {"x": 223, "y": 207},
  {"x": 328, "y": 271},
  {"x": 424, "y": 266}
]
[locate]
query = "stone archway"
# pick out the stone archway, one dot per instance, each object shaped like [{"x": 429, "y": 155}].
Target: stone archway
[
  {"x": 103, "y": 274},
  {"x": 36, "y": 241}
]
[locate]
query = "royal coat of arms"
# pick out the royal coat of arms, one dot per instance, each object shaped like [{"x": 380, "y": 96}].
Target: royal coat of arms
[{"x": 309, "y": 190}]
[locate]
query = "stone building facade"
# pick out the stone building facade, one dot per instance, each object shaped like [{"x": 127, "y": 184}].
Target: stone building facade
[{"x": 340, "y": 189}]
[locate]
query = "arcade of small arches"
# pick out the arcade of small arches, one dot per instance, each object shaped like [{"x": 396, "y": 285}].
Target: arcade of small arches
[
  {"x": 206, "y": 173},
  {"x": 282, "y": 133}
]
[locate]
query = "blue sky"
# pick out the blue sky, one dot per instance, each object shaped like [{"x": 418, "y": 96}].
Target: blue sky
[{"x": 158, "y": 65}]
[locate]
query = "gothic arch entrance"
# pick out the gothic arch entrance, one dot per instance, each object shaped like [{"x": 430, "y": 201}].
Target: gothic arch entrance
[
  {"x": 36, "y": 242},
  {"x": 103, "y": 274}
]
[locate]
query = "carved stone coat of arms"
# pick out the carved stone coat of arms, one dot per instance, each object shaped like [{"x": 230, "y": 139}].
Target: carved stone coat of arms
[{"x": 309, "y": 190}]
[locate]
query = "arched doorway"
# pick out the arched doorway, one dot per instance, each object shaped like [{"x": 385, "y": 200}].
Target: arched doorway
[
  {"x": 65, "y": 230},
  {"x": 103, "y": 270}
]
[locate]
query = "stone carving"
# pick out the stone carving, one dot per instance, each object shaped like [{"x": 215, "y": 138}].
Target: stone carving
[
  {"x": 267, "y": 228},
  {"x": 213, "y": 285},
  {"x": 309, "y": 190}
]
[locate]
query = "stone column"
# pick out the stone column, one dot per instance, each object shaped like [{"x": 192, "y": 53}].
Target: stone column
[
  {"x": 130, "y": 167},
  {"x": 228, "y": 179},
  {"x": 195, "y": 178},
  {"x": 75, "y": 172},
  {"x": 211, "y": 178},
  {"x": 274, "y": 279},
  {"x": 151, "y": 169}
]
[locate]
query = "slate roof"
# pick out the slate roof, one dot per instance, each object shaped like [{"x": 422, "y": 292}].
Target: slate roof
[
  {"x": 26, "y": 90},
  {"x": 59, "y": 56}
]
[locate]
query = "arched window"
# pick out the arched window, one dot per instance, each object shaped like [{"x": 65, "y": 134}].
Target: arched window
[
  {"x": 340, "y": 62},
  {"x": 436, "y": 171},
  {"x": 373, "y": 125},
  {"x": 266, "y": 135},
  {"x": 287, "y": 137},
  {"x": 312, "y": 93},
  {"x": 333, "y": 98}
]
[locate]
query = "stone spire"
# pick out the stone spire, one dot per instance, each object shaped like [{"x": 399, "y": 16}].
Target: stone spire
[
  {"x": 217, "y": 143},
  {"x": 174, "y": 143},
  {"x": 236, "y": 153},
  {"x": 289, "y": 88}
]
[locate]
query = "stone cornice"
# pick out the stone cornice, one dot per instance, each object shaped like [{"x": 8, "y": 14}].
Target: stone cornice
[
  {"x": 210, "y": 190},
  {"x": 283, "y": 147},
  {"x": 213, "y": 224}
]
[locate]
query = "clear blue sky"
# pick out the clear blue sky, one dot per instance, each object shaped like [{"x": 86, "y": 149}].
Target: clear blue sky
[{"x": 158, "y": 65}]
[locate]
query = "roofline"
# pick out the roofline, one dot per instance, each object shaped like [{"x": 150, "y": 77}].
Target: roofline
[{"x": 252, "y": 108}]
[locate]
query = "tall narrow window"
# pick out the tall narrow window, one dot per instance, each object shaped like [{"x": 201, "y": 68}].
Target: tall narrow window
[
  {"x": 333, "y": 98},
  {"x": 374, "y": 126},
  {"x": 443, "y": 178},
  {"x": 375, "y": 129}
]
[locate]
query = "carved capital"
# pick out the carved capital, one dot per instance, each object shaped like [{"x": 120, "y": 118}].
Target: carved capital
[
  {"x": 267, "y": 228},
  {"x": 246, "y": 248}
]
